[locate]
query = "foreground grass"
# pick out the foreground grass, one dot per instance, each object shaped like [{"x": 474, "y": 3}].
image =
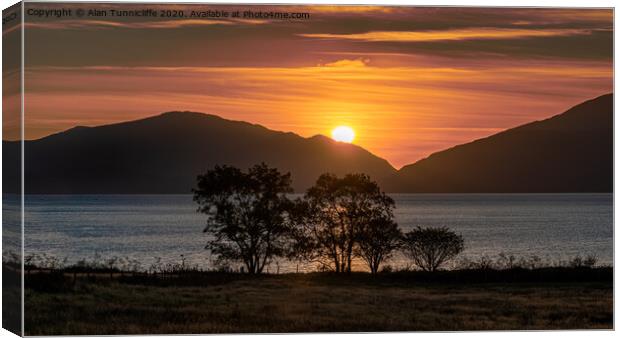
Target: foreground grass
[{"x": 314, "y": 303}]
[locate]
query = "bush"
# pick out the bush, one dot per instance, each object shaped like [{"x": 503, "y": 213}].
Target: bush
[{"x": 430, "y": 248}]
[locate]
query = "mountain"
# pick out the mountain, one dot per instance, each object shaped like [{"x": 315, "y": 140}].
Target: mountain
[
  {"x": 165, "y": 153},
  {"x": 570, "y": 152}
]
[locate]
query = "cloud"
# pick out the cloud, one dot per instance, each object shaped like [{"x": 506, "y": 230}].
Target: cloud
[
  {"x": 401, "y": 113},
  {"x": 346, "y": 63},
  {"x": 510, "y": 66},
  {"x": 487, "y": 33}
]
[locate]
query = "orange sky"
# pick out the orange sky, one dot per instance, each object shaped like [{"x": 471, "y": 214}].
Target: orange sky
[{"x": 410, "y": 81}]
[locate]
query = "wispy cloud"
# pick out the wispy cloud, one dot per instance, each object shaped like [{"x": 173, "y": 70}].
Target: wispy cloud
[
  {"x": 400, "y": 113},
  {"x": 418, "y": 91},
  {"x": 346, "y": 63},
  {"x": 488, "y": 33}
]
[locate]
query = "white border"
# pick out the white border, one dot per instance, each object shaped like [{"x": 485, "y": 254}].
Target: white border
[{"x": 480, "y": 3}]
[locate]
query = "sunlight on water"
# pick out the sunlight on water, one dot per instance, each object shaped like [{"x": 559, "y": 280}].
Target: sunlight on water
[{"x": 552, "y": 226}]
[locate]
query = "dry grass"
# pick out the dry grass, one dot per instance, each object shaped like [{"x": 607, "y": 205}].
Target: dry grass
[{"x": 299, "y": 303}]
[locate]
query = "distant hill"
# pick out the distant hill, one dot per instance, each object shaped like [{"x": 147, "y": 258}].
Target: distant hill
[
  {"x": 570, "y": 152},
  {"x": 165, "y": 153}
]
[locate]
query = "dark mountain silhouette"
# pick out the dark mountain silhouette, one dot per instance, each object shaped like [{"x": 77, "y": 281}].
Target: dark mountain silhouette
[
  {"x": 570, "y": 152},
  {"x": 165, "y": 153}
]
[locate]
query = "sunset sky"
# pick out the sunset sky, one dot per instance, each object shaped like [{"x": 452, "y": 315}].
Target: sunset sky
[{"x": 409, "y": 81}]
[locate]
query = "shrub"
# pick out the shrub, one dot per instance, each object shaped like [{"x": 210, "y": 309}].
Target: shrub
[{"x": 430, "y": 248}]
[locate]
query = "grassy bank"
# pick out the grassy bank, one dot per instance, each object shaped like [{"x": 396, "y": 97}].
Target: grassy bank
[{"x": 63, "y": 303}]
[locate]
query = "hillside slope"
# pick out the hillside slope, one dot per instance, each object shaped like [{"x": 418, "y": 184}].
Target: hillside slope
[
  {"x": 569, "y": 152},
  {"x": 165, "y": 153}
]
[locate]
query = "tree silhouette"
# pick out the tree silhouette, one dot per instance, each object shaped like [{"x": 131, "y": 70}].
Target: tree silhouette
[
  {"x": 247, "y": 214},
  {"x": 377, "y": 241},
  {"x": 333, "y": 214},
  {"x": 430, "y": 248}
]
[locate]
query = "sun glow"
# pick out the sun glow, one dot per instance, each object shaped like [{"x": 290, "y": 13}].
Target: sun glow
[{"x": 343, "y": 134}]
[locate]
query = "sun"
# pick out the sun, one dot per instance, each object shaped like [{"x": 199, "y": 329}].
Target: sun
[{"x": 343, "y": 134}]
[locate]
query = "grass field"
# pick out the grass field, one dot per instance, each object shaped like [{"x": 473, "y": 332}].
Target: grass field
[{"x": 312, "y": 303}]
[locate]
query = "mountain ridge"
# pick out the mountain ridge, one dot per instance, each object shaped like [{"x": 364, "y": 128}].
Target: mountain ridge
[
  {"x": 588, "y": 124},
  {"x": 164, "y": 154},
  {"x": 567, "y": 152}
]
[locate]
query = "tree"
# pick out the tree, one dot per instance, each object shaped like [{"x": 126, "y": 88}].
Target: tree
[
  {"x": 377, "y": 241},
  {"x": 247, "y": 214},
  {"x": 430, "y": 248},
  {"x": 332, "y": 215}
]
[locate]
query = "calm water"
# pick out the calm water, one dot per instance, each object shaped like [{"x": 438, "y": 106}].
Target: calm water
[{"x": 552, "y": 226}]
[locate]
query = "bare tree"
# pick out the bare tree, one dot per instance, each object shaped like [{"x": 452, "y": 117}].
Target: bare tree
[{"x": 430, "y": 248}]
